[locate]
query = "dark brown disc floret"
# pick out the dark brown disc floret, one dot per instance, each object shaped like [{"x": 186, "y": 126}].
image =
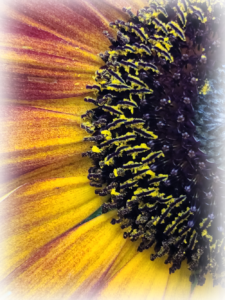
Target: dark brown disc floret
[{"x": 154, "y": 143}]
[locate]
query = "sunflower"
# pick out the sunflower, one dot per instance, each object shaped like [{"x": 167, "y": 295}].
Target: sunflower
[{"x": 54, "y": 242}]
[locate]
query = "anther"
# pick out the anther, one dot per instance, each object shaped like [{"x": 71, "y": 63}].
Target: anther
[
  {"x": 187, "y": 100},
  {"x": 187, "y": 188},
  {"x": 156, "y": 83},
  {"x": 174, "y": 172},
  {"x": 167, "y": 182},
  {"x": 95, "y": 184},
  {"x": 146, "y": 116},
  {"x": 193, "y": 205},
  {"x": 143, "y": 102},
  {"x": 165, "y": 148},
  {"x": 185, "y": 57},
  {"x": 160, "y": 124},
  {"x": 176, "y": 76},
  {"x": 203, "y": 59},
  {"x": 143, "y": 75},
  {"x": 151, "y": 143},
  {"x": 185, "y": 135},
  {"x": 153, "y": 167},
  {"x": 124, "y": 39},
  {"x": 180, "y": 118},
  {"x": 216, "y": 178},
  {"x": 104, "y": 56},
  {"x": 192, "y": 222},
  {"x": 201, "y": 165},
  {"x": 216, "y": 43},
  {"x": 194, "y": 80},
  {"x": 111, "y": 39},
  {"x": 163, "y": 102},
  {"x": 128, "y": 11},
  {"x": 209, "y": 195},
  {"x": 220, "y": 222},
  {"x": 191, "y": 153}
]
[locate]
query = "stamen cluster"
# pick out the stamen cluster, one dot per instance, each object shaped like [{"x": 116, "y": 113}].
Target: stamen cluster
[{"x": 146, "y": 155}]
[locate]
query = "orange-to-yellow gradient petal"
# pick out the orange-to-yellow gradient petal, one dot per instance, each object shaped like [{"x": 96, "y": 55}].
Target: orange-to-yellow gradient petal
[
  {"x": 33, "y": 138},
  {"x": 49, "y": 54},
  {"x": 73, "y": 265},
  {"x": 35, "y": 214}
]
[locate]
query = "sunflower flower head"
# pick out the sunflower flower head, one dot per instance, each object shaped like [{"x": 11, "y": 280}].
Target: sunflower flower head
[
  {"x": 153, "y": 146},
  {"x": 155, "y": 152}
]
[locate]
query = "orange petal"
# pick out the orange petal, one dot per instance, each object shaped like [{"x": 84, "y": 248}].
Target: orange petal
[
  {"x": 179, "y": 286},
  {"x": 75, "y": 105},
  {"x": 32, "y": 138},
  {"x": 36, "y": 213},
  {"x": 139, "y": 279},
  {"x": 207, "y": 291},
  {"x": 71, "y": 265}
]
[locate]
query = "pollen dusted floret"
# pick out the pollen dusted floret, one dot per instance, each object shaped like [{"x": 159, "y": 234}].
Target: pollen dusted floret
[{"x": 146, "y": 157}]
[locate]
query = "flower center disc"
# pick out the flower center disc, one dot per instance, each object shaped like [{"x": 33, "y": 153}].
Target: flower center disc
[
  {"x": 210, "y": 118},
  {"x": 146, "y": 156}
]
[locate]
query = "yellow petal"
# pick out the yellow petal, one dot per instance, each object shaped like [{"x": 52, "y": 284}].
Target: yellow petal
[
  {"x": 138, "y": 279},
  {"x": 179, "y": 286},
  {"x": 37, "y": 213},
  {"x": 72, "y": 265},
  {"x": 128, "y": 252},
  {"x": 207, "y": 291}
]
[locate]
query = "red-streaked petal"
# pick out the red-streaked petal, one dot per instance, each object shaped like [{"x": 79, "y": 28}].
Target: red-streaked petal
[
  {"x": 50, "y": 48},
  {"x": 78, "y": 22},
  {"x": 208, "y": 291},
  {"x": 35, "y": 214},
  {"x": 37, "y": 64},
  {"x": 52, "y": 20},
  {"x": 33, "y": 68},
  {"x": 72, "y": 265},
  {"x": 32, "y": 138},
  {"x": 138, "y": 279}
]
